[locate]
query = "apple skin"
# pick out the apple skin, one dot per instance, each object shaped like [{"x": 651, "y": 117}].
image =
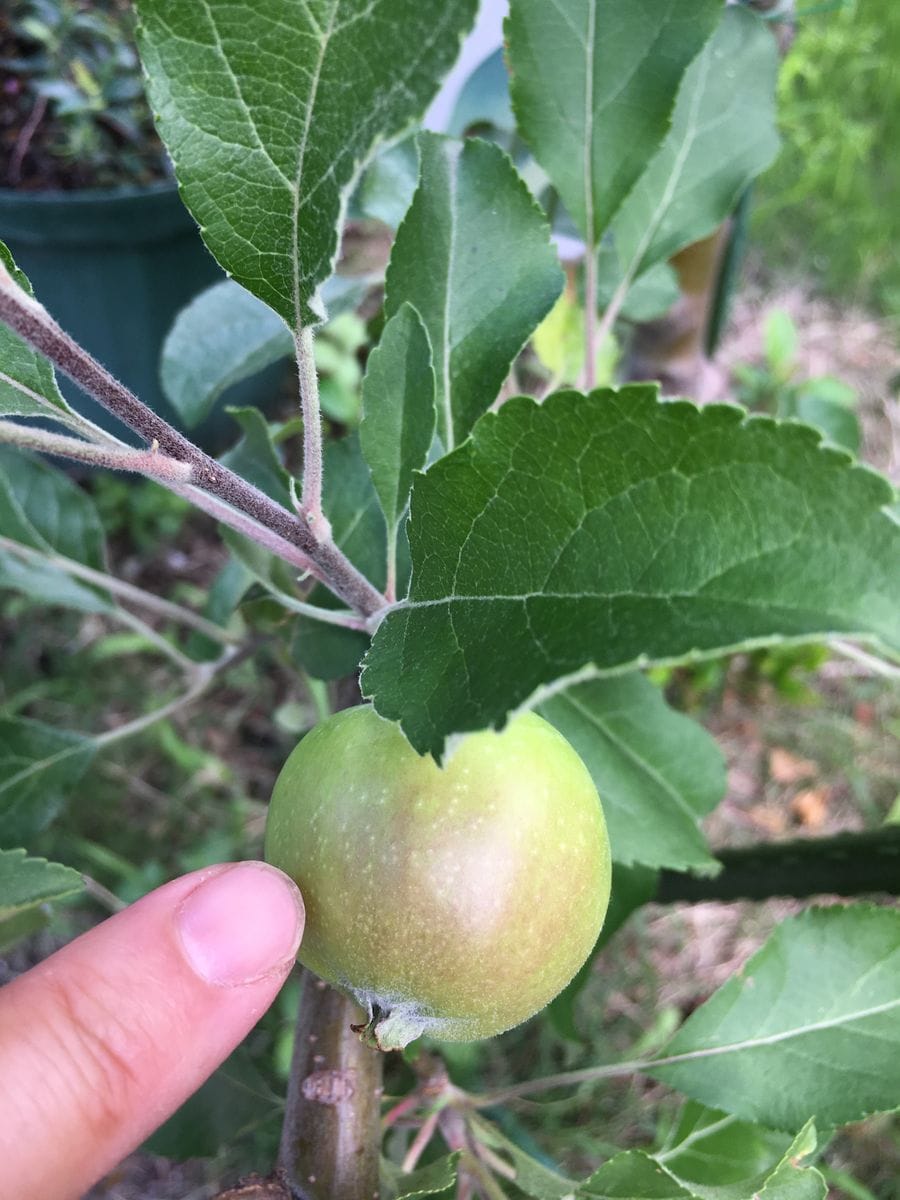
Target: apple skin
[{"x": 454, "y": 901}]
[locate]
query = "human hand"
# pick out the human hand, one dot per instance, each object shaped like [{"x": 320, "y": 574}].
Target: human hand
[{"x": 100, "y": 1043}]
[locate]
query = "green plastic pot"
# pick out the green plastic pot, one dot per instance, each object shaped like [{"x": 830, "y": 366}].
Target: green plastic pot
[{"x": 114, "y": 267}]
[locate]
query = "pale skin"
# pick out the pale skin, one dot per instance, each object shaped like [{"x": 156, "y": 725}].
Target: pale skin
[{"x": 101, "y": 1042}]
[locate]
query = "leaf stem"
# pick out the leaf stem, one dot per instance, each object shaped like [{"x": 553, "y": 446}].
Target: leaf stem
[
  {"x": 118, "y": 587},
  {"x": 156, "y": 639},
  {"x": 33, "y": 323},
  {"x": 591, "y": 337},
  {"x": 390, "y": 590},
  {"x": 311, "y": 501}
]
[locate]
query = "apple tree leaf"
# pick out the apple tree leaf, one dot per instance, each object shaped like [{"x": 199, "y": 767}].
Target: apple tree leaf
[
  {"x": 638, "y": 1175},
  {"x": 591, "y": 534},
  {"x": 657, "y": 771},
  {"x": 27, "y": 882},
  {"x": 255, "y": 457},
  {"x": 27, "y": 382},
  {"x": 723, "y": 135},
  {"x": 473, "y": 257},
  {"x": 44, "y": 511},
  {"x": 593, "y": 84},
  {"x": 268, "y": 132},
  {"x": 226, "y": 335},
  {"x": 810, "y": 1027},
  {"x": 398, "y": 410},
  {"x": 39, "y": 765}
]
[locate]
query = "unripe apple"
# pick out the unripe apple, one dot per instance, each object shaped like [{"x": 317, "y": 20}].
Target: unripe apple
[{"x": 454, "y": 901}]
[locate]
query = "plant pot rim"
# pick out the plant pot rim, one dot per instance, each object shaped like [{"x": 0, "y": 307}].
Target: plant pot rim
[{"x": 120, "y": 192}]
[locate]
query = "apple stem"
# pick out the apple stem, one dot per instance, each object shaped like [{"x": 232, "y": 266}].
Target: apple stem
[{"x": 331, "y": 1135}]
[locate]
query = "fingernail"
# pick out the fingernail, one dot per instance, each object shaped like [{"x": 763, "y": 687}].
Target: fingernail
[{"x": 241, "y": 924}]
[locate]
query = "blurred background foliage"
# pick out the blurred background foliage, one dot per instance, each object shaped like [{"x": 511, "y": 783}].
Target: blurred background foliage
[{"x": 829, "y": 206}]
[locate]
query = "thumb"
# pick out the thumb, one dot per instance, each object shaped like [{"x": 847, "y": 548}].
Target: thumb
[{"x": 105, "y": 1039}]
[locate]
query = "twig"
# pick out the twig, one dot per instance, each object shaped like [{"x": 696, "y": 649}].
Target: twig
[
  {"x": 35, "y": 325},
  {"x": 118, "y": 587},
  {"x": 162, "y": 644},
  {"x": 150, "y": 462},
  {"x": 330, "y": 1137},
  {"x": 873, "y": 664}
]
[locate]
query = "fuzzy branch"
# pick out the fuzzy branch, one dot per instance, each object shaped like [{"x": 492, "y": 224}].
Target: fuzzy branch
[{"x": 34, "y": 324}]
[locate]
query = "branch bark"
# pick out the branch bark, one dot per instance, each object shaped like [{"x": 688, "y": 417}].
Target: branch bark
[{"x": 331, "y": 1134}]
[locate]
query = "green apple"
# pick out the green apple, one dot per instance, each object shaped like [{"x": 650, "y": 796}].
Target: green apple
[{"x": 454, "y": 901}]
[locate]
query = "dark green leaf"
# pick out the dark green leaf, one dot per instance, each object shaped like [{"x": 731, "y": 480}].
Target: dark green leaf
[
  {"x": 39, "y": 766},
  {"x": 265, "y": 132},
  {"x": 594, "y": 533},
  {"x": 474, "y": 258},
  {"x": 27, "y": 383},
  {"x": 809, "y": 1027},
  {"x": 593, "y": 85},
  {"x": 657, "y": 771},
  {"x": 43, "y": 509}
]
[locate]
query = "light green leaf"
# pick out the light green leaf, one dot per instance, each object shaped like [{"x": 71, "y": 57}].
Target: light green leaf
[
  {"x": 633, "y": 1175},
  {"x": 637, "y": 1175},
  {"x": 398, "y": 410},
  {"x": 267, "y": 133},
  {"x": 27, "y": 882},
  {"x": 386, "y": 189},
  {"x": 473, "y": 257},
  {"x": 223, "y": 336},
  {"x": 531, "y": 1177},
  {"x": 723, "y": 135},
  {"x": 593, "y": 85},
  {"x": 708, "y": 1147},
  {"x": 437, "y": 1177},
  {"x": 226, "y": 335},
  {"x": 592, "y": 534},
  {"x": 255, "y": 457},
  {"x": 809, "y": 1028},
  {"x": 27, "y": 383},
  {"x": 657, "y": 771},
  {"x": 39, "y": 765},
  {"x": 484, "y": 99}
]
